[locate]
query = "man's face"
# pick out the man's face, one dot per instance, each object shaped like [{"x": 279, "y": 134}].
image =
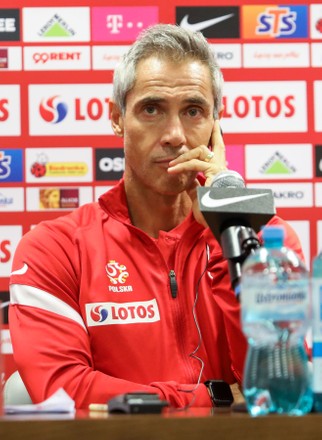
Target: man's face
[{"x": 168, "y": 112}]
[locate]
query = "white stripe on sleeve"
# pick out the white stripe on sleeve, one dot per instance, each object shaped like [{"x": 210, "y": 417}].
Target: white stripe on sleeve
[{"x": 23, "y": 295}]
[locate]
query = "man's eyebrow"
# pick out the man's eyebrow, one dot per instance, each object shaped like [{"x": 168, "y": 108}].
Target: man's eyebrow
[
  {"x": 150, "y": 100},
  {"x": 197, "y": 100},
  {"x": 157, "y": 99}
]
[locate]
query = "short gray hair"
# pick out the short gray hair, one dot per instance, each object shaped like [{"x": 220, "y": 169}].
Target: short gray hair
[{"x": 171, "y": 42}]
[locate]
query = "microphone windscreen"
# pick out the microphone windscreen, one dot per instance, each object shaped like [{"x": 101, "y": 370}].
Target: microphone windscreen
[{"x": 228, "y": 179}]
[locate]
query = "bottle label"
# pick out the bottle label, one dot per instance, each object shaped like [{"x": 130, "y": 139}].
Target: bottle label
[{"x": 281, "y": 302}]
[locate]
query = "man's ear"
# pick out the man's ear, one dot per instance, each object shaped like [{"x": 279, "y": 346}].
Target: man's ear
[{"x": 116, "y": 119}]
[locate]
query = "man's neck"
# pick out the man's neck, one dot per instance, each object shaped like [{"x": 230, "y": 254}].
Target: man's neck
[{"x": 153, "y": 212}]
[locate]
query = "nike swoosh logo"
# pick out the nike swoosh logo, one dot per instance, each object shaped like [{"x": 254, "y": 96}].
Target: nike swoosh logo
[
  {"x": 203, "y": 24},
  {"x": 21, "y": 271},
  {"x": 209, "y": 202}
]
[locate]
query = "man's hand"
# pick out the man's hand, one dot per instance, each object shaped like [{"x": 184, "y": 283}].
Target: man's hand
[
  {"x": 202, "y": 159},
  {"x": 208, "y": 160}
]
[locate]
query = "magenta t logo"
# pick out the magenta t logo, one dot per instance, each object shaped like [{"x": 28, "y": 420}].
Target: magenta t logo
[{"x": 123, "y": 23}]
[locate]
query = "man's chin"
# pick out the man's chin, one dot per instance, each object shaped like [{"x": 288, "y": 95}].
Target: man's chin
[{"x": 177, "y": 185}]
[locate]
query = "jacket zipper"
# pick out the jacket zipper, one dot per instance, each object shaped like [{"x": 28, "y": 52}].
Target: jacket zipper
[{"x": 173, "y": 283}]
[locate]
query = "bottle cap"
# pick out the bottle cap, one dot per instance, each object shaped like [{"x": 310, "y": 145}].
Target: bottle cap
[{"x": 273, "y": 233}]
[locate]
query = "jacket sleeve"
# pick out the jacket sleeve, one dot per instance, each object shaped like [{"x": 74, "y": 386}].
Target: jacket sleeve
[
  {"x": 292, "y": 240},
  {"x": 52, "y": 352},
  {"x": 50, "y": 340}
]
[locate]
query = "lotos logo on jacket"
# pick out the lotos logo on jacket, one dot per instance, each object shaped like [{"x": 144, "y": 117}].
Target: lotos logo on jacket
[
  {"x": 98, "y": 314},
  {"x": 109, "y": 313},
  {"x": 117, "y": 274}
]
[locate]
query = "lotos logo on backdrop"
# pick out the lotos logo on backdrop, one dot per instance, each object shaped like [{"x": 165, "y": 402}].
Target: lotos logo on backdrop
[
  {"x": 265, "y": 106},
  {"x": 69, "y": 109},
  {"x": 275, "y": 21},
  {"x": 53, "y": 109}
]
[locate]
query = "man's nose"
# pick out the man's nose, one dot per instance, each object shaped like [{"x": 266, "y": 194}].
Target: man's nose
[{"x": 173, "y": 132}]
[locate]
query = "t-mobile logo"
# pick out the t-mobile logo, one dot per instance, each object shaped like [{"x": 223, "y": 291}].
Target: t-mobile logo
[{"x": 114, "y": 22}]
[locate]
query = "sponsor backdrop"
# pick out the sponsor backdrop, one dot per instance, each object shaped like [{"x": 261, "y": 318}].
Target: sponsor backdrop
[{"x": 57, "y": 149}]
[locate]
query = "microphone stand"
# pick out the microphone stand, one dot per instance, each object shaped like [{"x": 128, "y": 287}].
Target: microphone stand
[{"x": 237, "y": 243}]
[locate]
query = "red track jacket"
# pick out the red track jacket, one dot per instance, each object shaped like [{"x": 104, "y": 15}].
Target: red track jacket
[{"x": 94, "y": 308}]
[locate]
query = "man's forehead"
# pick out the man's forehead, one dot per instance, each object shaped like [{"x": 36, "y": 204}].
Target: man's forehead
[{"x": 158, "y": 74}]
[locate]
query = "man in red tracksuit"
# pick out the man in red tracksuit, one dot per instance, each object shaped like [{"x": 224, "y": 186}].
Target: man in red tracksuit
[{"x": 132, "y": 293}]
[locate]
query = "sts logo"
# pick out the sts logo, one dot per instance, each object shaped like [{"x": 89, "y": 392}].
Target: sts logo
[
  {"x": 275, "y": 21},
  {"x": 11, "y": 166},
  {"x": 53, "y": 109},
  {"x": 99, "y": 314}
]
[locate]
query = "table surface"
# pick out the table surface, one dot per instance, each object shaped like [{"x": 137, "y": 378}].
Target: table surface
[{"x": 193, "y": 424}]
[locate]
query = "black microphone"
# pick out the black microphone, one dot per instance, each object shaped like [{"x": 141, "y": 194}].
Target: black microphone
[{"x": 235, "y": 214}]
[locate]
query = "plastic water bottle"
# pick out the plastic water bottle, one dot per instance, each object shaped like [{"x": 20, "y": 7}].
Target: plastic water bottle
[
  {"x": 275, "y": 316},
  {"x": 317, "y": 331}
]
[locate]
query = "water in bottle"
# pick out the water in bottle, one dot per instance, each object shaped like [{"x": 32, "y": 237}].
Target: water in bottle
[
  {"x": 275, "y": 305},
  {"x": 317, "y": 331}
]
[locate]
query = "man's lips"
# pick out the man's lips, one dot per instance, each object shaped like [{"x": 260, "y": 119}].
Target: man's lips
[{"x": 165, "y": 159}]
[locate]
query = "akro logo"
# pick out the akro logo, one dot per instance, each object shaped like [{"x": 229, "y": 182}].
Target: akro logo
[
  {"x": 99, "y": 314},
  {"x": 53, "y": 110}
]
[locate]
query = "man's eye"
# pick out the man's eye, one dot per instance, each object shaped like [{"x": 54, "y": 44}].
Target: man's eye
[
  {"x": 194, "y": 111},
  {"x": 150, "y": 109}
]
